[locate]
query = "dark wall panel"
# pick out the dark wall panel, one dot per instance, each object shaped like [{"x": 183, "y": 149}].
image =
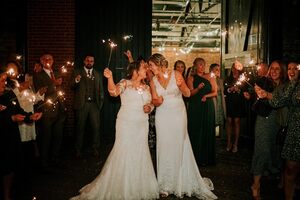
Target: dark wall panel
[{"x": 98, "y": 20}]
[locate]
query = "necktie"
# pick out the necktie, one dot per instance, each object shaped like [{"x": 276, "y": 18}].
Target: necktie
[
  {"x": 89, "y": 73},
  {"x": 52, "y": 75}
]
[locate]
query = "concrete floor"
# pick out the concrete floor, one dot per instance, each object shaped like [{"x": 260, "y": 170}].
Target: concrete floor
[{"x": 230, "y": 176}]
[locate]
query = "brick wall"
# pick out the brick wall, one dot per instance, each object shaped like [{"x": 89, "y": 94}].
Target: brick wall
[
  {"x": 51, "y": 28},
  {"x": 210, "y": 57}
]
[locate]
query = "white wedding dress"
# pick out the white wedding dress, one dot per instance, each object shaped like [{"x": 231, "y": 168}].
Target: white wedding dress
[
  {"x": 128, "y": 173},
  {"x": 177, "y": 171}
]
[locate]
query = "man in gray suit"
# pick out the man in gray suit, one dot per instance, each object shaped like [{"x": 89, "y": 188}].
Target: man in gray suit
[{"x": 88, "y": 101}]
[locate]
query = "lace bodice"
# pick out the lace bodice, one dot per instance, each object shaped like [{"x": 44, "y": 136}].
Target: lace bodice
[{"x": 132, "y": 100}]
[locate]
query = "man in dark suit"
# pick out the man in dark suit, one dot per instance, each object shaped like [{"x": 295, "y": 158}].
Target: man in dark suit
[
  {"x": 53, "y": 108},
  {"x": 88, "y": 101}
]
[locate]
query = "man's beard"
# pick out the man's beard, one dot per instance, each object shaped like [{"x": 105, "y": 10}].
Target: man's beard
[{"x": 89, "y": 66}]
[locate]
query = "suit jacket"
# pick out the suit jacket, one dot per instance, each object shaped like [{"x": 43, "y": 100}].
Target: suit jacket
[
  {"x": 42, "y": 79},
  {"x": 81, "y": 86}
]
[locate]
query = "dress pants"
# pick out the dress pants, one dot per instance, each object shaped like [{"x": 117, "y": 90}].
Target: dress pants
[{"x": 88, "y": 115}]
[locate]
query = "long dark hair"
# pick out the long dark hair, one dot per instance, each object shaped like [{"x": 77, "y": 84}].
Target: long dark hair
[
  {"x": 134, "y": 66},
  {"x": 180, "y": 62},
  {"x": 283, "y": 70}
]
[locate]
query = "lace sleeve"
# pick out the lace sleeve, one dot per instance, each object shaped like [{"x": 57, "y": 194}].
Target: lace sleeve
[
  {"x": 122, "y": 85},
  {"x": 119, "y": 88}
]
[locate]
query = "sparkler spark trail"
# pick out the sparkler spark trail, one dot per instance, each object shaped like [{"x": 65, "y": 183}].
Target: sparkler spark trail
[{"x": 112, "y": 45}]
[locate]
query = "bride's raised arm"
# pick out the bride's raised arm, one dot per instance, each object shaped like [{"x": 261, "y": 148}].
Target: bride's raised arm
[
  {"x": 182, "y": 85},
  {"x": 156, "y": 100},
  {"x": 113, "y": 89}
]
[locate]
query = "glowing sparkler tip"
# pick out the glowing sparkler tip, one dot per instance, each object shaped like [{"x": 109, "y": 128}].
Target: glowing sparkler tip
[
  {"x": 112, "y": 45},
  {"x": 10, "y": 72},
  {"x": 127, "y": 37},
  {"x": 18, "y": 57},
  {"x": 49, "y": 101},
  {"x": 60, "y": 93}
]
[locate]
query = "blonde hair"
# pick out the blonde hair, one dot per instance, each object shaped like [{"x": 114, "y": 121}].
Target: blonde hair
[{"x": 159, "y": 60}]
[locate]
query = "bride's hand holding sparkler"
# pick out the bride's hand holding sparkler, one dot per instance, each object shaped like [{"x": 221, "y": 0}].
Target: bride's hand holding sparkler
[{"x": 107, "y": 73}]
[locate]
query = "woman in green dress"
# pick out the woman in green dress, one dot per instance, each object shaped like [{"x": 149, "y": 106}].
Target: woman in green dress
[{"x": 201, "y": 114}]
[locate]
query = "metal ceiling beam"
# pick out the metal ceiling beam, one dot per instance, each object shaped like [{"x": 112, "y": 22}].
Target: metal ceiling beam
[{"x": 178, "y": 13}]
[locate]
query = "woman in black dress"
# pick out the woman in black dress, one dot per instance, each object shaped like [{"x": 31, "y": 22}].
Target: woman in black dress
[{"x": 235, "y": 106}]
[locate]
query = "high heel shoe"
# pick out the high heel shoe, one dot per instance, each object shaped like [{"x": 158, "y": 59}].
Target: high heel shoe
[
  {"x": 255, "y": 192},
  {"x": 228, "y": 148},
  {"x": 234, "y": 149}
]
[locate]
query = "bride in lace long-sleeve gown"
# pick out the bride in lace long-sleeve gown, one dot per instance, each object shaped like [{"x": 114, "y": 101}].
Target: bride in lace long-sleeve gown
[
  {"x": 177, "y": 171},
  {"x": 128, "y": 173}
]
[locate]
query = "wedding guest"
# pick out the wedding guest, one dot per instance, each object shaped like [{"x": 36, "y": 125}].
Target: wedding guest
[
  {"x": 235, "y": 107},
  {"x": 54, "y": 113},
  {"x": 201, "y": 114},
  {"x": 10, "y": 144},
  {"x": 27, "y": 98},
  {"x": 219, "y": 100},
  {"x": 89, "y": 96},
  {"x": 266, "y": 155},
  {"x": 180, "y": 66},
  {"x": 291, "y": 147}
]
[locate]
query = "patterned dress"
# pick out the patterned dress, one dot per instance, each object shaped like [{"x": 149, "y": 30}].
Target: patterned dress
[
  {"x": 266, "y": 154},
  {"x": 290, "y": 98}
]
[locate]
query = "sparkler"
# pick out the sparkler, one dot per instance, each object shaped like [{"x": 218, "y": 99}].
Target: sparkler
[
  {"x": 64, "y": 67},
  {"x": 18, "y": 57},
  {"x": 11, "y": 72},
  {"x": 128, "y": 37},
  {"x": 52, "y": 102},
  {"x": 111, "y": 45},
  {"x": 243, "y": 78}
]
